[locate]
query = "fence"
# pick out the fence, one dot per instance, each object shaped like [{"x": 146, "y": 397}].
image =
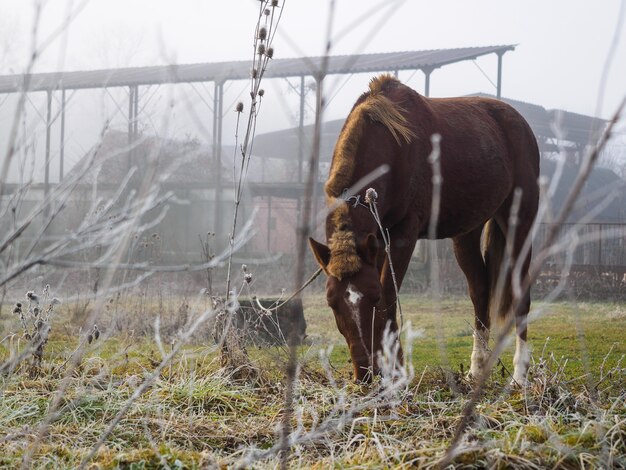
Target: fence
[{"x": 592, "y": 255}]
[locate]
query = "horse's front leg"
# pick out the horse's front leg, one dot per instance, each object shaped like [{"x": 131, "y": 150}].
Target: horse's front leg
[{"x": 394, "y": 261}]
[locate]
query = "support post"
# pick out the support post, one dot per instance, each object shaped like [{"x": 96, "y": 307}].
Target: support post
[
  {"x": 499, "y": 83},
  {"x": 315, "y": 161},
  {"x": 131, "y": 119},
  {"x": 46, "y": 187},
  {"x": 62, "y": 140},
  {"x": 136, "y": 113},
  {"x": 269, "y": 224},
  {"x": 218, "y": 100},
  {"x": 427, "y": 73},
  {"x": 301, "y": 130}
]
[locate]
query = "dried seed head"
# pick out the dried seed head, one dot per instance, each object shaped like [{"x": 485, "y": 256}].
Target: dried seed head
[
  {"x": 270, "y": 52},
  {"x": 36, "y": 311},
  {"x": 96, "y": 332},
  {"x": 248, "y": 278},
  {"x": 30, "y": 295},
  {"x": 274, "y": 3},
  {"x": 370, "y": 196},
  {"x": 239, "y": 107},
  {"x": 244, "y": 268},
  {"x": 253, "y": 73},
  {"x": 261, "y": 49},
  {"x": 261, "y": 92},
  {"x": 89, "y": 338},
  {"x": 263, "y": 34},
  {"x": 267, "y": 12}
]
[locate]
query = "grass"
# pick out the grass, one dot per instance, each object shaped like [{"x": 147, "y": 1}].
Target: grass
[
  {"x": 196, "y": 415},
  {"x": 579, "y": 334}
]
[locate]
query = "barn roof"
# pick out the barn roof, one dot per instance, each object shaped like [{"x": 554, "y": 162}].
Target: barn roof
[
  {"x": 237, "y": 70},
  {"x": 577, "y": 128}
]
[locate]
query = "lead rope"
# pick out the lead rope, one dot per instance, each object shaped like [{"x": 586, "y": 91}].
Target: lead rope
[{"x": 304, "y": 286}]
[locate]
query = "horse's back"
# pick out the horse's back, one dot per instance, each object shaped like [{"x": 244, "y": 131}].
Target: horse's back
[
  {"x": 489, "y": 126},
  {"x": 487, "y": 150}
]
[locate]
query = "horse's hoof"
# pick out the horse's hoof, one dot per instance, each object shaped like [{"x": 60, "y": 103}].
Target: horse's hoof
[
  {"x": 520, "y": 384},
  {"x": 472, "y": 379}
]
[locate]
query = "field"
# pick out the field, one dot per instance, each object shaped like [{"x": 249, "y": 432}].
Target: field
[{"x": 197, "y": 415}]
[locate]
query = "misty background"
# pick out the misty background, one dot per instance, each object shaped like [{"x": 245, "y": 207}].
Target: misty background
[
  {"x": 558, "y": 62},
  {"x": 561, "y": 49}
]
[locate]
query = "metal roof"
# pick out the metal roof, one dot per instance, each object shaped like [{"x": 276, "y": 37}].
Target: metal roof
[
  {"x": 237, "y": 70},
  {"x": 577, "y": 128}
]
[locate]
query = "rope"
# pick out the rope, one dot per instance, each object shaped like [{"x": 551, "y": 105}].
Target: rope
[{"x": 304, "y": 286}]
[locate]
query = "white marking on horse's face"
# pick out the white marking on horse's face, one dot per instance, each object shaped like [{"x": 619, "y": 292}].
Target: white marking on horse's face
[
  {"x": 354, "y": 296},
  {"x": 353, "y": 300}
]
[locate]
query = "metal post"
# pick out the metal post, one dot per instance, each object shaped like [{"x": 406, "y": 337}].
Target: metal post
[
  {"x": 218, "y": 100},
  {"x": 499, "y": 84},
  {"x": 215, "y": 119},
  {"x": 427, "y": 73},
  {"x": 136, "y": 113},
  {"x": 315, "y": 162},
  {"x": 131, "y": 118},
  {"x": 600, "y": 245},
  {"x": 301, "y": 130},
  {"x": 62, "y": 143},
  {"x": 269, "y": 223},
  {"x": 46, "y": 187},
  {"x": 131, "y": 108}
]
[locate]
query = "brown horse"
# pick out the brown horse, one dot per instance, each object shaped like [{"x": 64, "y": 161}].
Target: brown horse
[{"x": 488, "y": 154}]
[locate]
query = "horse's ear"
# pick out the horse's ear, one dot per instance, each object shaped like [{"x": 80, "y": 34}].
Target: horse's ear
[
  {"x": 370, "y": 248},
  {"x": 321, "y": 253}
]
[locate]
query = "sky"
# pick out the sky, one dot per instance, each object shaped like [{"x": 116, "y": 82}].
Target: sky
[{"x": 559, "y": 60}]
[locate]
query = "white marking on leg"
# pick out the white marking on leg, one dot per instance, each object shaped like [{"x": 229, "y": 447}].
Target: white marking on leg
[
  {"x": 521, "y": 361},
  {"x": 480, "y": 352}
]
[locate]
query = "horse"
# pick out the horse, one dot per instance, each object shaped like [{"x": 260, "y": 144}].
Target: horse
[{"x": 489, "y": 164}]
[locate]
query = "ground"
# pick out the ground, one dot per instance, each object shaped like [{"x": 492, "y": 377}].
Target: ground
[{"x": 573, "y": 414}]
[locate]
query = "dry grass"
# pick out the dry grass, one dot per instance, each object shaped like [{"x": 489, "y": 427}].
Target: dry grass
[{"x": 196, "y": 415}]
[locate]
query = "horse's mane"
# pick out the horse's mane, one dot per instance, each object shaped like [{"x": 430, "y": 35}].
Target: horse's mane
[
  {"x": 373, "y": 105},
  {"x": 344, "y": 260},
  {"x": 376, "y": 106}
]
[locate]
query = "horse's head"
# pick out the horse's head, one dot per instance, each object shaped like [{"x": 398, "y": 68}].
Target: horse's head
[{"x": 354, "y": 293}]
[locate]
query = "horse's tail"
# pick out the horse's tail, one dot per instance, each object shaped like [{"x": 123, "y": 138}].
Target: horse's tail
[{"x": 498, "y": 273}]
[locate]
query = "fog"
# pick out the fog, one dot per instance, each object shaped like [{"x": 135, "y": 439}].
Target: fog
[
  {"x": 559, "y": 61},
  {"x": 562, "y": 45}
]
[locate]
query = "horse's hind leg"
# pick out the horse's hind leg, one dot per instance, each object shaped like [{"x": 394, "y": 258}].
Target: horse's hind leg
[
  {"x": 521, "y": 359},
  {"x": 468, "y": 254},
  {"x": 518, "y": 273}
]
